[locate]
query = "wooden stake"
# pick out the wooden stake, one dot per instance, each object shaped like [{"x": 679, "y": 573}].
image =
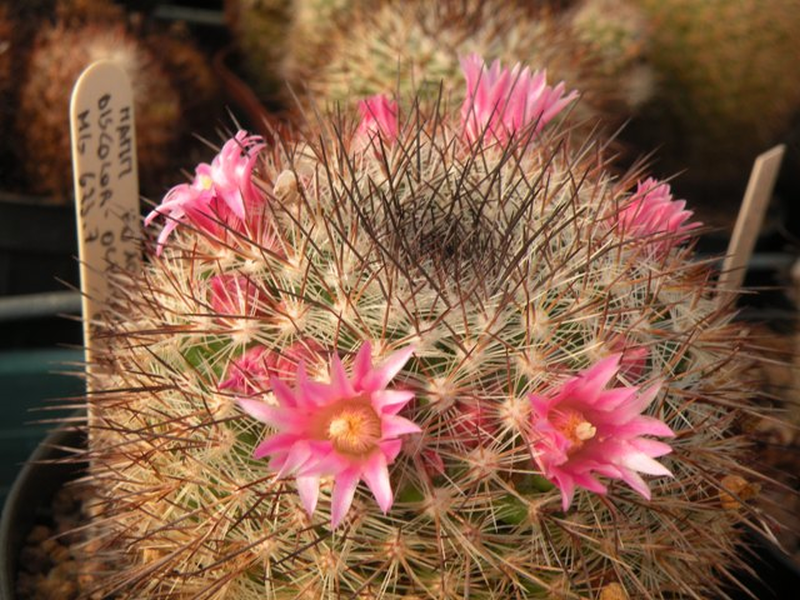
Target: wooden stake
[
  {"x": 106, "y": 189},
  {"x": 748, "y": 223}
]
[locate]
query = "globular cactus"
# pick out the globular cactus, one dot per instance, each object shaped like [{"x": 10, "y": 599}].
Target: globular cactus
[
  {"x": 420, "y": 353},
  {"x": 172, "y": 83},
  {"x": 312, "y": 26},
  {"x": 189, "y": 74},
  {"x": 385, "y": 46},
  {"x": 726, "y": 75},
  {"x": 618, "y": 33},
  {"x": 260, "y": 30},
  {"x": 45, "y": 93}
]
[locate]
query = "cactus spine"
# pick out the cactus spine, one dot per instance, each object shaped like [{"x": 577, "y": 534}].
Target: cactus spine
[{"x": 511, "y": 262}]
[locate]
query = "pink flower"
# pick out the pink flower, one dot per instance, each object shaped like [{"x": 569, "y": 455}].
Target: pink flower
[
  {"x": 633, "y": 362},
  {"x": 250, "y": 373},
  {"x": 472, "y": 427},
  {"x": 236, "y": 295},
  {"x": 503, "y": 102},
  {"x": 582, "y": 429},
  {"x": 220, "y": 195},
  {"x": 348, "y": 429},
  {"x": 652, "y": 212},
  {"x": 306, "y": 351},
  {"x": 378, "y": 117}
]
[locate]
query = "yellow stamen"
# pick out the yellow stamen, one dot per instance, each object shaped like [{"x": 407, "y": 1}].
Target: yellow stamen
[
  {"x": 585, "y": 431},
  {"x": 355, "y": 429},
  {"x": 574, "y": 426},
  {"x": 206, "y": 182}
]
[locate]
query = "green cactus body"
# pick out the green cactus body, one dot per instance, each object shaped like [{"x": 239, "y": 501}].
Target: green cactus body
[{"x": 500, "y": 264}]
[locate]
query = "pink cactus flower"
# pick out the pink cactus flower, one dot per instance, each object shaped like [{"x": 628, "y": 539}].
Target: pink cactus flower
[
  {"x": 378, "y": 117},
  {"x": 633, "y": 362},
  {"x": 502, "y": 101},
  {"x": 308, "y": 351},
  {"x": 473, "y": 426},
  {"x": 348, "y": 428},
  {"x": 236, "y": 295},
  {"x": 583, "y": 429},
  {"x": 220, "y": 194},
  {"x": 249, "y": 374},
  {"x": 652, "y": 212}
]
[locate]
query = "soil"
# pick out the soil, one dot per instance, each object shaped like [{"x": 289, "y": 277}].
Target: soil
[{"x": 51, "y": 558}]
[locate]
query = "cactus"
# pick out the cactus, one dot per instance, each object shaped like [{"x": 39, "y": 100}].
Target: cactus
[
  {"x": 726, "y": 75},
  {"x": 172, "y": 83},
  {"x": 360, "y": 56},
  {"x": 260, "y": 30},
  {"x": 189, "y": 74},
  {"x": 417, "y": 353},
  {"x": 312, "y": 25},
  {"x": 44, "y": 100}
]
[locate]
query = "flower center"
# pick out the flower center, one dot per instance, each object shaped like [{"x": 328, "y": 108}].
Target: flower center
[
  {"x": 205, "y": 182},
  {"x": 354, "y": 429},
  {"x": 574, "y": 426}
]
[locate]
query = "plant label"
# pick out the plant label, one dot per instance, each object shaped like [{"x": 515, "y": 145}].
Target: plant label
[{"x": 106, "y": 189}]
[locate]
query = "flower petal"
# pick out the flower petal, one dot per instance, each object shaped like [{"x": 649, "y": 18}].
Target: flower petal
[
  {"x": 344, "y": 488},
  {"x": 390, "y": 402},
  {"x": 376, "y": 474},
  {"x": 280, "y": 442},
  {"x": 298, "y": 455},
  {"x": 340, "y": 385},
  {"x": 636, "y": 482},
  {"x": 271, "y": 415},
  {"x": 392, "y": 427},
  {"x": 308, "y": 490},
  {"x": 639, "y": 461},
  {"x": 379, "y": 378},
  {"x": 390, "y": 449},
  {"x": 283, "y": 393},
  {"x": 362, "y": 364}
]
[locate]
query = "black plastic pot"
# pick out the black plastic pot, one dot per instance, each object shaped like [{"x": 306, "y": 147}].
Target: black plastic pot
[{"x": 30, "y": 498}]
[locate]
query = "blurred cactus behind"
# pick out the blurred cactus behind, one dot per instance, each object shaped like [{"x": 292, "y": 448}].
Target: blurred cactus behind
[
  {"x": 261, "y": 31},
  {"x": 727, "y": 83},
  {"x": 313, "y": 25},
  {"x": 335, "y": 50},
  {"x": 455, "y": 336},
  {"x": 425, "y": 40},
  {"x": 6, "y": 69},
  {"x": 44, "y": 101},
  {"x": 189, "y": 74},
  {"x": 174, "y": 90}
]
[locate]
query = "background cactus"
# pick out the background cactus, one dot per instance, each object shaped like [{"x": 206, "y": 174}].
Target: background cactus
[
  {"x": 44, "y": 100},
  {"x": 362, "y": 55},
  {"x": 260, "y": 31},
  {"x": 336, "y": 50},
  {"x": 725, "y": 72},
  {"x": 172, "y": 84},
  {"x": 501, "y": 262},
  {"x": 6, "y": 65}
]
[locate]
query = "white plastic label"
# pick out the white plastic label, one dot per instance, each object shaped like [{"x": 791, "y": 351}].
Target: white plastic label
[
  {"x": 748, "y": 224},
  {"x": 106, "y": 185}
]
